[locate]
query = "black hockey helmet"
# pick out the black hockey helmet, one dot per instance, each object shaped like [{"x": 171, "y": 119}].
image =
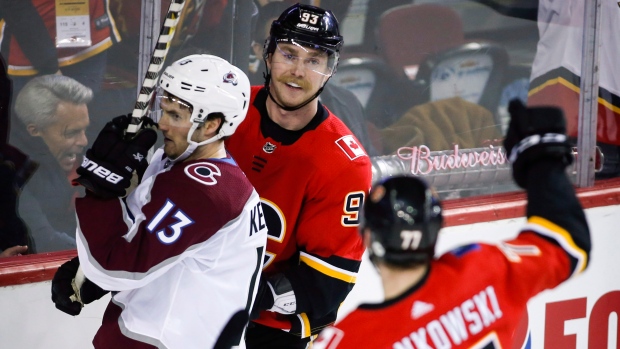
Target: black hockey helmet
[
  {"x": 305, "y": 26},
  {"x": 404, "y": 217},
  {"x": 308, "y": 25}
]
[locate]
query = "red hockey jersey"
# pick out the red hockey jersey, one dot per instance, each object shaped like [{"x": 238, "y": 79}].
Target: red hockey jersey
[
  {"x": 472, "y": 297},
  {"x": 312, "y": 184},
  {"x": 103, "y": 33}
]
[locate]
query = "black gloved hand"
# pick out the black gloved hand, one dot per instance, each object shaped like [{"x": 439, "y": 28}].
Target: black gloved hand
[
  {"x": 535, "y": 134},
  {"x": 264, "y": 299},
  {"x": 63, "y": 289},
  {"x": 111, "y": 161}
]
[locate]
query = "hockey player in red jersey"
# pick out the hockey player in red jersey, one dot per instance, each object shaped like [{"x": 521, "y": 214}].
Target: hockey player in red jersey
[
  {"x": 475, "y": 295},
  {"x": 312, "y": 175},
  {"x": 184, "y": 250}
]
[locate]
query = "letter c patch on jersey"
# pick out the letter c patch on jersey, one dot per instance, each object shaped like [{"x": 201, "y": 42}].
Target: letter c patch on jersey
[{"x": 203, "y": 172}]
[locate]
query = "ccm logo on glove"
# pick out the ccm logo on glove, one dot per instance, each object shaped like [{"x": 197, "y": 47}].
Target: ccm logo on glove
[{"x": 101, "y": 171}]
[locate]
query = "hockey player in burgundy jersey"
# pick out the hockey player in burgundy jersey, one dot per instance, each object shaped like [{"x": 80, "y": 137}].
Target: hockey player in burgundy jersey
[
  {"x": 312, "y": 176},
  {"x": 473, "y": 296},
  {"x": 184, "y": 250}
]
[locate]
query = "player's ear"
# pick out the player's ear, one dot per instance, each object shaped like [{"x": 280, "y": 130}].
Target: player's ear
[
  {"x": 33, "y": 130},
  {"x": 210, "y": 126}
]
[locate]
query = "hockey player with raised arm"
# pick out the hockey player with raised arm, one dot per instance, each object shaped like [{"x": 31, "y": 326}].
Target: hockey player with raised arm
[
  {"x": 312, "y": 175},
  {"x": 184, "y": 250},
  {"x": 473, "y": 296}
]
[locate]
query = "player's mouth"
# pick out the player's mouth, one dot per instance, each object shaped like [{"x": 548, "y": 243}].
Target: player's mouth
[
  {"x": 294, "y": 84},
  {"x": 68, "y": 160}
]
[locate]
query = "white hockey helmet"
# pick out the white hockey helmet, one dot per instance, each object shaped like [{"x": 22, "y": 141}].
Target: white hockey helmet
[{"x": 210, "y": 85}]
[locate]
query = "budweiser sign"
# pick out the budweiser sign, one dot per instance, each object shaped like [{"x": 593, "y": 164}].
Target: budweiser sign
[{"x": 422, "y": 161}]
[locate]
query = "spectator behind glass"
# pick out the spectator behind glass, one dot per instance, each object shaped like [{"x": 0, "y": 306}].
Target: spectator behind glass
[
  {"x": 54, "y": 112},
  {"x": 339, "y": 100},
  {"x": 83, "y": 61},
  {"x": 15, "y": 169}
]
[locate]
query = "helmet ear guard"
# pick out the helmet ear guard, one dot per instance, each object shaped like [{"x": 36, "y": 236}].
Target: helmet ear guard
[{"x": 404, "y": 218}]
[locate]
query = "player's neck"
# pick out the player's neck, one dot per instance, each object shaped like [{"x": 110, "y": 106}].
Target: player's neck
[
  {"x": 292, "y": 120},
  {"x": 213, "y": 150},
  {"x": 397, "y": 281}
]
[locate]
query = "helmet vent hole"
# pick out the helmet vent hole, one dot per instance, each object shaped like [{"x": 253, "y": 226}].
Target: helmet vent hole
[
  {"x": 204, "y": 69},
  {"x": 186, "y": 86},
  {"x": 200, "y": 89}
]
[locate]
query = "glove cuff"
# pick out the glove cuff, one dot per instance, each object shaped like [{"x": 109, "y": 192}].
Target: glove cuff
[
  {"x": 537, "y": 140},
  {"x": 535, "y": 148}
]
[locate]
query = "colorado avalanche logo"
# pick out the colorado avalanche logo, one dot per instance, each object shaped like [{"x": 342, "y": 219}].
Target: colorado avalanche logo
[
  {"x": 230, "y": 77},
  {"x": 203, "y": 172}
]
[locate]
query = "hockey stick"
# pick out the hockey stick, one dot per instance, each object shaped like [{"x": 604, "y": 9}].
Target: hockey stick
[{"x": 157, "y": 61}]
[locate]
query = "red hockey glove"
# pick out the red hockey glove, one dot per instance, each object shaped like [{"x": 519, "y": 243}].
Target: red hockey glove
[
  {"x": 535, "y": 134},
  {"x": 110, "y": 163}
]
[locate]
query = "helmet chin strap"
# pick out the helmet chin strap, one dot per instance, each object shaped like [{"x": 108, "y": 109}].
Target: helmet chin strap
[{"x": 192, "y": 146}]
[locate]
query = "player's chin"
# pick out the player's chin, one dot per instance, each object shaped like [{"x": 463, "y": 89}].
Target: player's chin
[{"x": 170, "y": 150}]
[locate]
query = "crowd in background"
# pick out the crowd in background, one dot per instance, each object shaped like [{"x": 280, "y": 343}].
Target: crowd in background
[{"x": 57, "y": 95}]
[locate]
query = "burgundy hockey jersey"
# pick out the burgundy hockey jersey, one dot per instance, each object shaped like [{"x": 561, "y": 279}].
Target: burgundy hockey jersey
[
  {"x": 312, "y": 185},
  {"x": 472, "y": 297},
  {"x": 184, "y": 252}
]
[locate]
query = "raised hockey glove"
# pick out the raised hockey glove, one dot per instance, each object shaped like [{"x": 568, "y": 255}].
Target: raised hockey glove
[
  {"x": 112, "y": 160},
  {"x": 535, "y": 134},
  {"x": 69, "y": 293}
]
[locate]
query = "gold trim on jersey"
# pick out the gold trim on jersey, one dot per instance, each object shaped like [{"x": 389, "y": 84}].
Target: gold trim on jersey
[
  {"x": 306, "y": 331},
  {"x": 270, "y": 258},
  {"x": 328, "y": 269},
  {"x": 65, "y": 61},
  {"x": 113, "y": 27},
  {"x": 280, "y": 214},
  {"x": 574, "y": 88},
  {"x": 558, "y": 80},
  {"x": 548, "y": 228}
]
